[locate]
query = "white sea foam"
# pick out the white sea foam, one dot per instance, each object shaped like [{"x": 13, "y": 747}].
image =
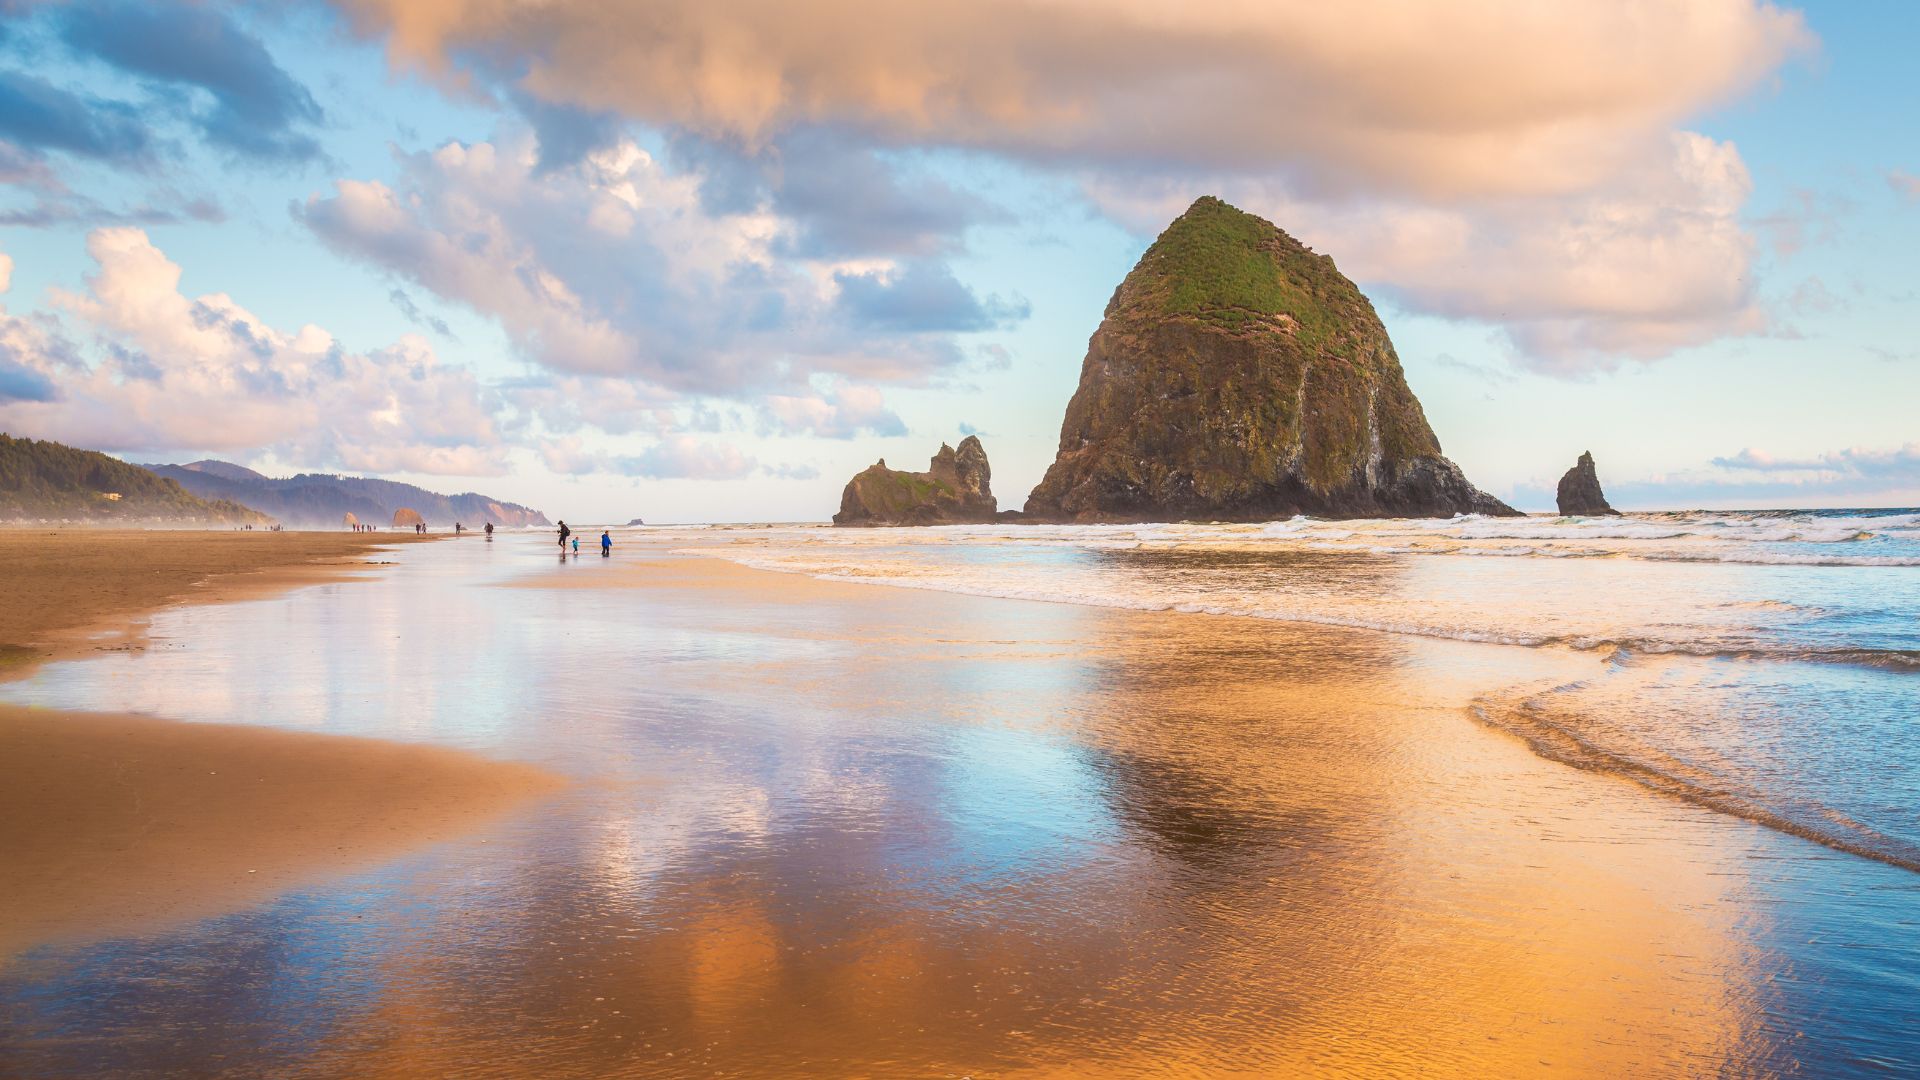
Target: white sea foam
[{"x": 1418, "y": 577}]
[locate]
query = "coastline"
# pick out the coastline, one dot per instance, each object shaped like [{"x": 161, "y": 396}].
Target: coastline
[
  {"x": 816, "y": 829},
  {"x": 117, "y": 824},
  {"x": 1330, "y": 785},
  {"x": 114, "y": 823},
  {"x": 70, "y": 591}
]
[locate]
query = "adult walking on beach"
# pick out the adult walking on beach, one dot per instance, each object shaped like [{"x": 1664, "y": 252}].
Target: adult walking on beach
[
  {"x": 606, "y": 544},
  {"x": 564, "y": 533}
]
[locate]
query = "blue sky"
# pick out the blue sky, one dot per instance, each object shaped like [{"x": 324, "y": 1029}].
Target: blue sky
[{"x": 610, "y": 261}]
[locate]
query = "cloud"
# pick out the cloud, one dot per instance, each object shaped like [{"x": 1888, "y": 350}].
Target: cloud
[
  {"x": 1518, "y": 101},
  {"x": 1809, "y": 217},
  {"x": 922, "y": 296},
  {"x": 67, "y": 208},
  {"x": 1486, "y": 160},
  {"x": 257, "y": 110},
  {"x": 37, "y": 116},
  {"x": 1900, "y": 464},
  {"x": 791, "y": 472},
  {"x": 1579, "y": 282},
  {"x": 205, "y": 374},
  {"x": 841, "y": 411},
  {"x": 1486, "y": 373},
  {"x": 614, "y": 267},
  {"x": 414, "y": 315},
  {"x": 676, "y": 457},
  {"x": 841, "y": 197},
  {"x": 1904, "y": 184},
  {"x": 1755, "y": 478},
  {"x": 1812, "y": 297},
  {"x": 566, "y": 134}
]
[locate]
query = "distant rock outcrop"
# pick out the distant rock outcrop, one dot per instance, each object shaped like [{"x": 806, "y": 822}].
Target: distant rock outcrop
[
  {"x": 634, "y": 522},
  {"x": 407, "y": 518},
  {"x": 1239, "y": 376},
  {"x": 953, "y": 491},
  {"x": 1580, "y": 494}
]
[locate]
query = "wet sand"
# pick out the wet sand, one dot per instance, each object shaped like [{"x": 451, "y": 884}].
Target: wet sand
[
  {"x": 70, "y": 591},
  {"x": 820, "y": 829},
  {"x": 1324, "y": 867},
  {"x": 115, "y": 824}
]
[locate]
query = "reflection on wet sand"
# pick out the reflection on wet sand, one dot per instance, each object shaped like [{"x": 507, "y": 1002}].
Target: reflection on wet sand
[{"x": 834, "y": 830}]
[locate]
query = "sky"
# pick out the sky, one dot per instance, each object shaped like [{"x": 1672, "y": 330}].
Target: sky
[{"x": 703, "y": 260}]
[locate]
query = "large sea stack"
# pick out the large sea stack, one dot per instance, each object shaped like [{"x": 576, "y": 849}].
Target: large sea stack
[
  {"x": 953, "y": 491},
  {"x": 1238, "y": 376},
  {"x": 1580, "y": 494}
]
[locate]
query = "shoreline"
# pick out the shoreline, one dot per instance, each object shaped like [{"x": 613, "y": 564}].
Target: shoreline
[
  {"x": 114, "y": 823},
  {"x": 1501, "y": 710},
  {"x": 59, "y": 603}
]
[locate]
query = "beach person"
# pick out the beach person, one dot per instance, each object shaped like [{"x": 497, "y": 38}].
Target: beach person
[
  {"x": 564, "y": 533},
  {"x": 606, "y": 543},
  {"x": 489, "y": 530},
  {"x": 576, "y": 545}
]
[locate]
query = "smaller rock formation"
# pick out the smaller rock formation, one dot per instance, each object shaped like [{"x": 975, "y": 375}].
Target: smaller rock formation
[
  {"x": 1580, "y": 494},
  {"x": 407, "y": 517},
  {"x": 953, "y": 491},
  {"x": 634, "y": 522}
]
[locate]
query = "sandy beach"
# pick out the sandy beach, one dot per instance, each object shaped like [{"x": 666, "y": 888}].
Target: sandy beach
[
  {"x": 69, "y": 591},
  {"x": 111, "y": 824}
]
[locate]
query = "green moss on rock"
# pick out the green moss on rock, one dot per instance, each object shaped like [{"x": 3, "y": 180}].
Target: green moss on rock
[
  {"x": 955, "y": 489},
  {"x": 1239, "y": 375}
]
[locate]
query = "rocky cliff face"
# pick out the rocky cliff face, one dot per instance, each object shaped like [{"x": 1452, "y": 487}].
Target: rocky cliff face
[
  {"x": 1580, "y": 494},
  {"x": 1239, "y": 376},
  {"x": 953, "y": 491}
]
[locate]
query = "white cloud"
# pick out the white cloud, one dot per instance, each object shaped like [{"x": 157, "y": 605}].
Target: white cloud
[
  {"x": 205, "y": 374},
  {"x": 1654, "y": 261},
  {"x": 613, "y": 267}
]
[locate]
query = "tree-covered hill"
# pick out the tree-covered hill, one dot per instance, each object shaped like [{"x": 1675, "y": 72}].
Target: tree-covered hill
[{"x": 52, "y": 482}]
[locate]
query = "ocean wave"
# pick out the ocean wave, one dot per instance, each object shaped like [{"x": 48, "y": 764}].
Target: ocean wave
[
  {"x": 1239, "y": 606},
  {"x": 1766, "y": 538},
  {"x": 1565, "y": 739}
]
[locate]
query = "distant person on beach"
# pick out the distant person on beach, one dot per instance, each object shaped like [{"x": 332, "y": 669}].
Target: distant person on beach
[
  {"x": 489, "y": 530},
  {"x": 576, "y": 545},
  {"x": 606, "y": 543},
  {"x": 564, "y": 533}
]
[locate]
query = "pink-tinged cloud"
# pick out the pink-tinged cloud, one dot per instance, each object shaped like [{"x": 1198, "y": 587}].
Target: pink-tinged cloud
[
  {"x": 1655, "y": 262},
  {"x": 204, "y": 374},
  {"x": 1904, "y": 184},
  {"x": 674, "y": 457},
  {"x": 1473, "y": 97},
  {"x": 1519, "y": 163},
  {"x": 840, "y": 411}
]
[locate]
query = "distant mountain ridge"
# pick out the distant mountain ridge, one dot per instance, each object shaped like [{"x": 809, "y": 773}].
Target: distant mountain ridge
[
  {"x": 322, "y": 500},
  {"x": 49, "y": 481}
]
